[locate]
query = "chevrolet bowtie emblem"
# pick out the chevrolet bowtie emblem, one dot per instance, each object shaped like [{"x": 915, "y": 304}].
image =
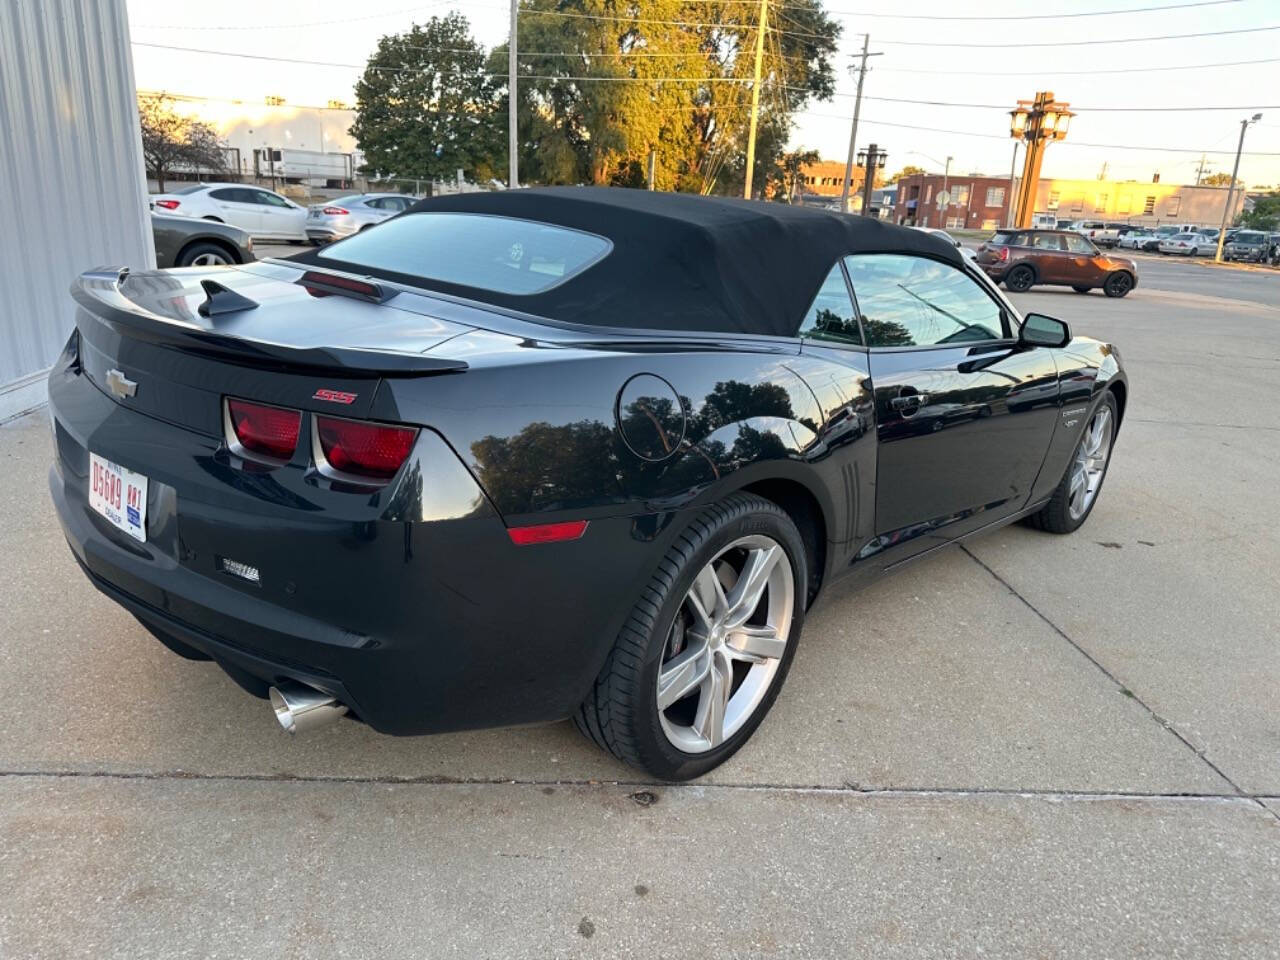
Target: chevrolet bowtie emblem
[{"x": 120, "y": 385}]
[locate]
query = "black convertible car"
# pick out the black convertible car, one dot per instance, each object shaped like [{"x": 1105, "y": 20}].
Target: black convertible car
[{"x": 514, "y": 457}]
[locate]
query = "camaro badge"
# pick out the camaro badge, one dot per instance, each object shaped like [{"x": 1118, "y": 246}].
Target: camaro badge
[{"x": 120, "y": 385}]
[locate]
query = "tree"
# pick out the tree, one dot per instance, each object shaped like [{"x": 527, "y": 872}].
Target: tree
[
  {"x": 1218, "y": 180},
  {"x": 170, "y": 140},
  {"x": 426, "y": 105},
  {"x": 604, "y": 88},
  {"x": 789, "y": 171},
  {"x": 1265, "y": 214},
  {"x": 907, "y": 171}
]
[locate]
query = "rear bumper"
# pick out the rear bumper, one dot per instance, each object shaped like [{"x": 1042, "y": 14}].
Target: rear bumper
[
  {"x": 419, "y": 624},
  {"x": 325, "y": 232}
]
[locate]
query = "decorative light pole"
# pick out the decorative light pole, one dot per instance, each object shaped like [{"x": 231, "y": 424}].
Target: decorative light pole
[
  {"x": 871, "y": 160},
  {"x": 1035, "y": 122}
]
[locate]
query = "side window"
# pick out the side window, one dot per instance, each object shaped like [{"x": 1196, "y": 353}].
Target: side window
[
  {"x": 1079, "y": 245},
  {"x": 378, "y": 203},
  {"x": 913, "y": 301},
  {"x": 832, "y": 317},
  {"x": 268, "y": 199},
  {"x": 226, "y": 194}
]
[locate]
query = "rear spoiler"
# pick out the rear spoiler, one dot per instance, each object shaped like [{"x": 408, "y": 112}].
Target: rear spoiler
[{"x": 99, "y": 292}]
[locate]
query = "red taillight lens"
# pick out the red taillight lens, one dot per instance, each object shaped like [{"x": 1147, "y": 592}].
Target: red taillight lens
[
  {"x": 1004, "y": 253},
  {"x": 335, "y": 211},
  {"x": 547, "y": 532},
  {"x": 271, "y": 431},
  {"x": 370, "y": 450},
  {"x": 168, "y": 204}
]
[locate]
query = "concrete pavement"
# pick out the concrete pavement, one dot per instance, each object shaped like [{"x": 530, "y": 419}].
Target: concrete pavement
[{"x": 1031, "y": 746}]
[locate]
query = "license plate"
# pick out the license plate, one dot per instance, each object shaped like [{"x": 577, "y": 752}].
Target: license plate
[
  {"x": 314, "y": 214},
  {"x": 120, "y": 495}
]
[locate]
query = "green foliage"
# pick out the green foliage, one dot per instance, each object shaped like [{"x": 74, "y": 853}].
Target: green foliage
[
  {"x": 597, "y": 95},
  {"x": 1265, "y": 214},
  {"x": 1217, "y": 180},
  {"x": 427, "y": 107}
]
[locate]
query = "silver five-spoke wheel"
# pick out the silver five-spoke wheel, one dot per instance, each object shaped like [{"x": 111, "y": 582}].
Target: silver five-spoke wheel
[
  {"x": 726, "y": 643},
  {"x": 1090, "y": 463},
  {"x": 210, "y": 259}
]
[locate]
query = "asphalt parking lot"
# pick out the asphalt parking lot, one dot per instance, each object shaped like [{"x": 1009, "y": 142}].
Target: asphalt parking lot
[{"x": 1027, "y": 746}]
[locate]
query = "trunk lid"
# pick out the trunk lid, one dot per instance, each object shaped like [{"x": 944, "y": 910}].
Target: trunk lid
[{"x": 294, "y": 348}]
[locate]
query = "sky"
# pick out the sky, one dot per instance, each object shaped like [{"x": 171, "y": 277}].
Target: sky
[{"x": 988, "y": 62}]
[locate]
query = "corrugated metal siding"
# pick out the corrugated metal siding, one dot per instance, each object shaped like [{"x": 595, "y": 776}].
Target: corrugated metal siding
[{"x": 70, "y": 168}]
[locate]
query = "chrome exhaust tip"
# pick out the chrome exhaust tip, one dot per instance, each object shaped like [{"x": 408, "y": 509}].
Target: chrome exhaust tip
[{"x": 301, "y": 708}]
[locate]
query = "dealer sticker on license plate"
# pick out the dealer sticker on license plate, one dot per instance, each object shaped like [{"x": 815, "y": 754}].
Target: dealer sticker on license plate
[{"x": 120, "y": 495}]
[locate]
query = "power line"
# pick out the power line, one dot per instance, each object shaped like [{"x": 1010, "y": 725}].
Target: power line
[
  {"x": 577, "y": 78},
  {"x": 1025, "y": 16},
  {"x": 1076, "y": 73},
  {"x": 1005, "y": 137},
  {"x": 1077, "y": 43}
]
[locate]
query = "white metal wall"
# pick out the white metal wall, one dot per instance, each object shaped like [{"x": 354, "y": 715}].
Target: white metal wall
[{"x": 71, "y": 174}]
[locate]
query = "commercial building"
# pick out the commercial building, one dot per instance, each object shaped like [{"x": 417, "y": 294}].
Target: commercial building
[{"x": 979, "y": 202}]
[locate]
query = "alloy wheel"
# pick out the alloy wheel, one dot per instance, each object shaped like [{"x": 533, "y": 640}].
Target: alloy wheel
[
  {"x": 725, "y": 644},
  {"x": 1090, "y": 463},
  {"x": 210, "y": 259}
]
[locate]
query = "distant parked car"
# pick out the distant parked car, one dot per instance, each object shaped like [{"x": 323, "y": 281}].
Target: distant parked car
[
  {"x": 264, "y": 214},
  {"x": 183, "y": 242},
  {"x": 1188, "y": 245},
  {"x": 966, "y": 252},
  {"x": 1023, "y": 258},
  {"x": 1104, "y": 235},
  {"x": 335, "y": 219},
  {"x": 1139, "y": 239},
  {"x": 1253, "y": 246}
]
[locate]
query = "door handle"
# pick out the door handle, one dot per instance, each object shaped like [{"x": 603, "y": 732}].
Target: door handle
[{"x": 910, "y": 401}]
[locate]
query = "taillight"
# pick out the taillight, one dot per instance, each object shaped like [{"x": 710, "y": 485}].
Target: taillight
[
  {"x": 1003, "y": 253},
  {"x": 270, "y": 431},
  {"x": 370, "y": 450},
  {"x": 335, "y": 211},
  {"x": 168, "y": 204}
]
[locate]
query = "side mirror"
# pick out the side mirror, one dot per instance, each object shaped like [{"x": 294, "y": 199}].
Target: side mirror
[{"x": 1041, "y": 331}]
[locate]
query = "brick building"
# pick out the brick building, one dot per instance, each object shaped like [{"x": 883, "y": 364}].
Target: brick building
[{"x": 982, "y": 202}]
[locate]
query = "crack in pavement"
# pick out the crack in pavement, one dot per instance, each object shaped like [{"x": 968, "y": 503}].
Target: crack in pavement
[
  {"x": 846, "y": 789},
  {"x": 1123, "y": 688},
  {"x": 1198, "y": 423}
]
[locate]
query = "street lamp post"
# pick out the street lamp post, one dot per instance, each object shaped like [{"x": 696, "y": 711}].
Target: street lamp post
[
  {"x": 1226, "y": 211},
  {"x": 1035, "y": 122},
  {"x": 871, "y": 160}
]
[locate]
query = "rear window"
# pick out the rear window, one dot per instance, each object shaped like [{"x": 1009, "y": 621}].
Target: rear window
[
  {"x": 1010, "y": 239},
  {"x": 498, "y": 254},
  {"x": 185, "y": 190},
  {"x": 1249, "y": 236}
]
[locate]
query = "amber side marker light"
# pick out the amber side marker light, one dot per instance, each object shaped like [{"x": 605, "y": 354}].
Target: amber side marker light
[{"x": 547, "y": 532}]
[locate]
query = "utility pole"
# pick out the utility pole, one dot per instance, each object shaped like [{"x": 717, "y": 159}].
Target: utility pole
[
  {"x": 761, "y": 26},
  {"x": 1036, "y": 123},
  {"x": 853, "y": 133},
  {"x": 513, "y": 162},
  {"x": 1013, "y": 166},
  {"x": 1226, "y": 211},
  {"x": 946, "y": 179},
  {"x": 1200, "y": 170}
]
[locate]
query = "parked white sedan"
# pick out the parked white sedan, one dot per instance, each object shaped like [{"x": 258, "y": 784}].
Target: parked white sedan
[
  {"x": 1188, "y": 244},
  {"x": 263, "y": 214}
]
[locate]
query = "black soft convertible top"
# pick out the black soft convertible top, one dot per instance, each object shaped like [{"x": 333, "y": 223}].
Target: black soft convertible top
[{"x": 680, "y": 261}]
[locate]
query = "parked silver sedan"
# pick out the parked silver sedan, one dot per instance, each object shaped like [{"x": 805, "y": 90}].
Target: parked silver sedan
[
  {"x": 1189, "y": 245},
  {"x": 335, "y": 219}
]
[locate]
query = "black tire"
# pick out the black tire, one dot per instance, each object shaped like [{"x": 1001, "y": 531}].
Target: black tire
[
  {"x": 189, "y": 254},
  {"x": 1118, "y": 284},
  {"x": 1020, "y": 278},
  {"x": 620, "y": 713},
  {"x": 1082, "y": 289},
  {"x": 1055, "y": 516}
]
